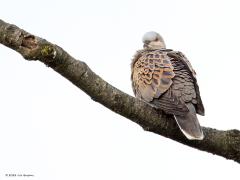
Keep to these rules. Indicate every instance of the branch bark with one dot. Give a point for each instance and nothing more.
(31, 47)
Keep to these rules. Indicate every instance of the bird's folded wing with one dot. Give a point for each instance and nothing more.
(152, 75)
(181, 57)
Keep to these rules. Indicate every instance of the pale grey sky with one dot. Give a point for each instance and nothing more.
(53, 130)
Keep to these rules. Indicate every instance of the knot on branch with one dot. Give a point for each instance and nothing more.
(29, 41)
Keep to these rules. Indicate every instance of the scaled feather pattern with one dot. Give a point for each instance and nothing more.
(166, 80)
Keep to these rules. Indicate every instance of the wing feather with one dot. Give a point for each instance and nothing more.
(190, 94)
(152, 75)
(152, 78)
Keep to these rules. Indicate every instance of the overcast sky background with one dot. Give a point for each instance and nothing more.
(51, 129)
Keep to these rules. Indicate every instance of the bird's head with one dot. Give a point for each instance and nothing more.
(153, 40)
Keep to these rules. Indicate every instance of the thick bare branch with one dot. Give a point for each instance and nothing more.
(31, 47)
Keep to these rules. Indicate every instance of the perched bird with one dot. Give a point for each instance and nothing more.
(166, 80)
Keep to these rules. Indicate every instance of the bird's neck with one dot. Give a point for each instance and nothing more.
(155, 45)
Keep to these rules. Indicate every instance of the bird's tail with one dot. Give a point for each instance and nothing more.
(189, 124)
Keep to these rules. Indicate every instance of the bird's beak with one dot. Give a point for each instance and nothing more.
(145, 45)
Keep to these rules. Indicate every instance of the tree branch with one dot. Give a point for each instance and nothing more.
(31, 47)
